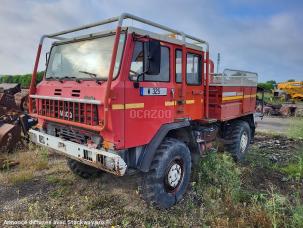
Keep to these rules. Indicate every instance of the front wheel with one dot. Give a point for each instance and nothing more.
(169, 175)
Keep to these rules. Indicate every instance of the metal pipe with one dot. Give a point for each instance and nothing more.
(103, 22)
(207, 86)
(83, 101)
(58, 38)
(183, 85)
(218, 62)
(110, 77)
(145, 21)
(163, 27)
(32, 88)
(120, 19)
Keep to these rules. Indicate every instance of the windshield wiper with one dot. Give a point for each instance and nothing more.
(52, 77)
(68, 77)
(72, 77)
(89, 73)
(56, 78)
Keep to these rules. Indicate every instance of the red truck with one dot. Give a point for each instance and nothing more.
(129, 100)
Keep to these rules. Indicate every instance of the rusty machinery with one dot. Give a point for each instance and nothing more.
(13, 118)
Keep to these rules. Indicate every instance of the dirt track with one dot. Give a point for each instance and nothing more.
(273, 124)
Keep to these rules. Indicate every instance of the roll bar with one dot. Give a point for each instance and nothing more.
(118, 19)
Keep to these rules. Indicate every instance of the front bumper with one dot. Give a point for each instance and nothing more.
(101, 159)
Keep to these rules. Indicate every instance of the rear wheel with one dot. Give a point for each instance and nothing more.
(82, 170)
(169, 175)
(238, 136)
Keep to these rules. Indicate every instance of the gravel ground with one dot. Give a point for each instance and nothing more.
(273, 124)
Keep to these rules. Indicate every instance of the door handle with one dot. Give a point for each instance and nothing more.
(172, 92)
(197, 92)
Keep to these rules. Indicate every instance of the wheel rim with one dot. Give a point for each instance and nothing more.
(243, 142)
(174, 175)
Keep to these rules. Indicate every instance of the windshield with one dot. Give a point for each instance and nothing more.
(84, 59)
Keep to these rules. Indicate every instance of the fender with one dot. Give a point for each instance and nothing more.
(149, 150)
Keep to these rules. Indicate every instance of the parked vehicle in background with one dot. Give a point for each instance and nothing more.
(289, 90)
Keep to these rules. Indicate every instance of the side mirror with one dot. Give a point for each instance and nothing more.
(152, 57)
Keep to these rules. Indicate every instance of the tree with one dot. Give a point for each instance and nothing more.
(266, 86)
(273, 82)
(24, 80)
(291, 80)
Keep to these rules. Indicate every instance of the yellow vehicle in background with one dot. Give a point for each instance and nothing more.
(289, 90)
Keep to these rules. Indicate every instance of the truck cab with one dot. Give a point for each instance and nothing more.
(128, 99)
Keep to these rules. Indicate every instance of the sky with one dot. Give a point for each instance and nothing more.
(263, 36)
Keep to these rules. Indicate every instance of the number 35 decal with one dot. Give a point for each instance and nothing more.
(153, 91)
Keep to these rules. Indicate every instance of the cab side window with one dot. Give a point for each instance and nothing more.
(178, 66)
(193, 69)
(137, 65)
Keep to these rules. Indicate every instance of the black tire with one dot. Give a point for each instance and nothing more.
(171, 165)
(82, 170)
(234, 133)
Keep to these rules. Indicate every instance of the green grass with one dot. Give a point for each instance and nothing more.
(220, 186)
(60, 192)
(21, 176)
(295, 169)
(31, 160)
(66, 180)
(218, 176)
(295, 128)
(259, 158)
(297, 216)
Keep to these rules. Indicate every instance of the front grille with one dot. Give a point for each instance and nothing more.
(72, 135)
(67, 110)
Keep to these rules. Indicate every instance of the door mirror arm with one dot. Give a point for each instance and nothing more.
(136, 83)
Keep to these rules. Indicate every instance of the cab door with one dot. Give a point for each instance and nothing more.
(191, 106)
(148, 98)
